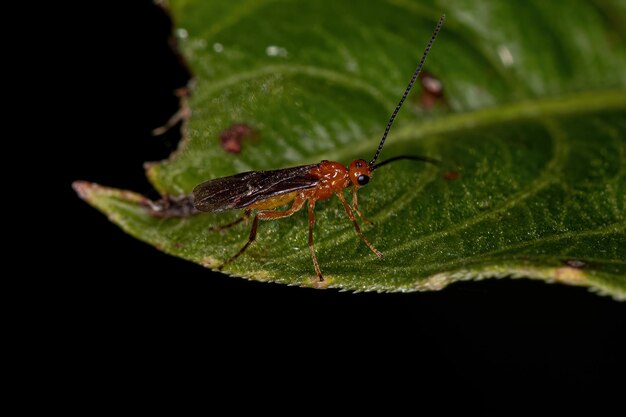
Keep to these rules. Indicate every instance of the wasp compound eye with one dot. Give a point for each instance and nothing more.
(363, 179)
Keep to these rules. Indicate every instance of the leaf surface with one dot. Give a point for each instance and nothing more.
(531, 131)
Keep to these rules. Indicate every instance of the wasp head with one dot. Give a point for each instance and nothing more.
(360, 172)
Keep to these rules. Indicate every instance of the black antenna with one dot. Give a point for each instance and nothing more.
(411, 157)
(406, 92)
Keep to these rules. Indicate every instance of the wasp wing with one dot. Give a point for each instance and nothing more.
(242, 190)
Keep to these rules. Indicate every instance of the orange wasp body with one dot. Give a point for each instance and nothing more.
(264, 191)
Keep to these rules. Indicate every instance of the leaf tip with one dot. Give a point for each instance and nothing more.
(84, 189)
(94, 193)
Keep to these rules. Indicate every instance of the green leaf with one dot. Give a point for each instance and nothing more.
(532, 135)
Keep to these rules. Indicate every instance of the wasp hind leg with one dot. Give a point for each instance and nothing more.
(251, 239)
(298, 203)
(244, 217)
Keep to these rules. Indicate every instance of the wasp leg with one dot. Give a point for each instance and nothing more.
(245, 216)
(356, 225)
(251, 238)
(311, 248)
(298, 203)
(355, 204)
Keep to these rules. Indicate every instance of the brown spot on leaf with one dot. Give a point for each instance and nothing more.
(432, 90)
(232, 138)
(451, 176)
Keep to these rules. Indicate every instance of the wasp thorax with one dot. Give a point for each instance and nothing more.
(359, 172)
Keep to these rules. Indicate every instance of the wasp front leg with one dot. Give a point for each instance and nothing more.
(355, 205)
(356, 226)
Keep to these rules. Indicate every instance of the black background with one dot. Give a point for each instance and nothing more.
(143, 317)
